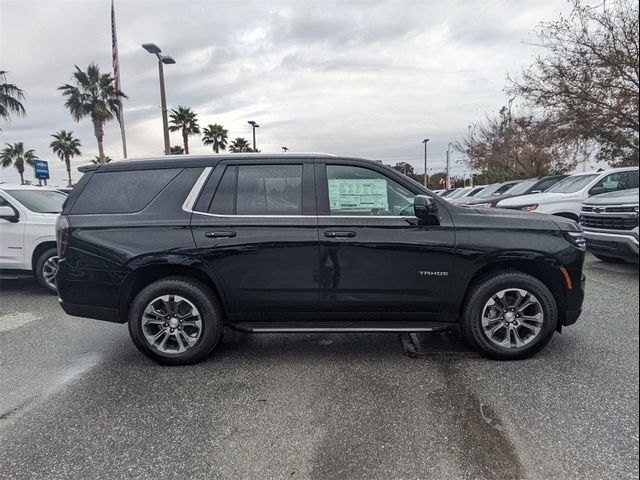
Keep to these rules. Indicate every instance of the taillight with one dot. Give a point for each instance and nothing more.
(62, 234)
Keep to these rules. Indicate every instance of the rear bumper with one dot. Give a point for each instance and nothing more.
(619, 245)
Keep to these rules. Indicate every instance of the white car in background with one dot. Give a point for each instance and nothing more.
(27, 232)
(565, 197)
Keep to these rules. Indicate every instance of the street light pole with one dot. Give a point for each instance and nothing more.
(162, 60)
(254, 125)
(426, 181)
(163, 106)
(449, 166)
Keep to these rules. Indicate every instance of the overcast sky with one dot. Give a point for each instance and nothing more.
(358, 78)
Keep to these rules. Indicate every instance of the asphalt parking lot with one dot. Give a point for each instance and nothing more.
(78, 401)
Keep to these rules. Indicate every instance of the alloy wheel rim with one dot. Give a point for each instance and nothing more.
(171, 324)
(512, 318)
(49, 271)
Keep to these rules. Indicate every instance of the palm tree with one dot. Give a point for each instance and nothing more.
(15, 154)
(216, 136)
(177, 150)
(96, 160)
(240, 145)
(185, 120)
(93, 95)
(65, 146)
(10, 96)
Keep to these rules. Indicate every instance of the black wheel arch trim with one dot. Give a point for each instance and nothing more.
(144, 270)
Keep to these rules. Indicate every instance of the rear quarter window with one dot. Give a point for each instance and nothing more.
(123, 191)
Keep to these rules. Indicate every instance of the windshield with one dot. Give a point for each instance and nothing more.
(40, 201)
(488, 191)
(572, 184)
(522, 187)
(459, 193)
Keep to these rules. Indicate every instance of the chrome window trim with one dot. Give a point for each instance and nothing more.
(190, 201)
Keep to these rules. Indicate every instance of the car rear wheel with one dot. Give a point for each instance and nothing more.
(509, 316)
(176, 321)
(47, 268)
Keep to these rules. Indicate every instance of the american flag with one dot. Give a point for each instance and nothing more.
(116, 74)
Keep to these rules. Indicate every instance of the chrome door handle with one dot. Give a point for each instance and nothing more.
(220, 234)
(336, 234)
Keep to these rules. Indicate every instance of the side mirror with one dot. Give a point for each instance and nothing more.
(8, 213)
(536, 191)
(424, 207)
(597, 191)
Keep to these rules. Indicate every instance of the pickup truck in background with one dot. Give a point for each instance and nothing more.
(610, 224)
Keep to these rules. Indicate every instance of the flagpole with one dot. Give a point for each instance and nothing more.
(116, 75)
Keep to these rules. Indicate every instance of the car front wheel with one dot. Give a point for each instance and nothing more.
(509, 316)
(176, 321)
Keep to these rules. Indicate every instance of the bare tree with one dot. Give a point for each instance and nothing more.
(586, 81)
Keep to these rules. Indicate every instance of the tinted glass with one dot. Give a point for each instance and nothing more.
(224, 200)
(572, 184)
(122, 192)
(40, 201)
(360, 191)
(269, 190)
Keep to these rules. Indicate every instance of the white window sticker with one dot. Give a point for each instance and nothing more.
(345, 194)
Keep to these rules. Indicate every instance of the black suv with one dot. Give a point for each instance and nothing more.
(180, 246)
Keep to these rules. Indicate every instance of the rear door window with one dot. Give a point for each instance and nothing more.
(259, 190)
(122, 191)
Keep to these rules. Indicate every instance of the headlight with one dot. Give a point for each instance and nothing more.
(576, 239)
(637, 209)
(529, 208)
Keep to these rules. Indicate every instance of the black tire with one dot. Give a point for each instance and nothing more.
(604, 258)
(483, 290)
(42, 264)
(204, 299)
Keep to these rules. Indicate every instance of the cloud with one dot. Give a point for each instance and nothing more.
(349, 77)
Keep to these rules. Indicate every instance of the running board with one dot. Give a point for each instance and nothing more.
(340, 327)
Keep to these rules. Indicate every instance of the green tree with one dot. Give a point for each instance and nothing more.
(10, 98)
(404, 167)
(65, 146)
(240, 145)
(16, 155)
(216, 136)
(93, 95)
(586, 80)
(184, 120)
(176, 150)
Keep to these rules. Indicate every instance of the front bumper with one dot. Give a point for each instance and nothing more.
(574, 303)
(612, 244)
